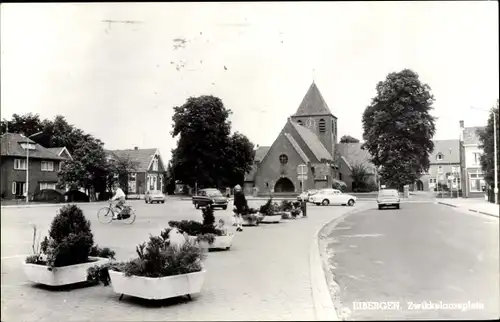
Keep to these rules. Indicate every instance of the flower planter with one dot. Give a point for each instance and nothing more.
(220, 242)
(157, 288)
(271, 219)
(60, 276)
(250, 222)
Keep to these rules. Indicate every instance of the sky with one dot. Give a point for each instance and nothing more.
(120, 80)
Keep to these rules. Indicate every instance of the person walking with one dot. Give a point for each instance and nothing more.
(241, 205)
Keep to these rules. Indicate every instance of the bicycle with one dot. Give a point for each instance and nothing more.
(107, 214)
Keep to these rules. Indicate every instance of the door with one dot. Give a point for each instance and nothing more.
(336, 197)
(18, 189)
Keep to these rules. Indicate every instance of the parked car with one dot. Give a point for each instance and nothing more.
(306, 195)
(210, 197)
(327, 197)
(154, 196)
(388, 198)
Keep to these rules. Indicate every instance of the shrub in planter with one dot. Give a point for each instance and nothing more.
(268, 208)
(286, 206)
(70, 244)
(161, 270)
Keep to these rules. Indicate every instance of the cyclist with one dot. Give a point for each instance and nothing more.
(120, 197)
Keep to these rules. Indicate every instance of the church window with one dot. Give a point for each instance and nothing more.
(283, 159)
(322, 125)
(299, 122)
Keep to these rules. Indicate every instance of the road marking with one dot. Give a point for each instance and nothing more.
(362, 235)
(15, 256)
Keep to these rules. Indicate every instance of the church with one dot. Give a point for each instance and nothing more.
(308, 138)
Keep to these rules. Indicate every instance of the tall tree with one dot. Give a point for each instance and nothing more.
(398, 128)
(348, 139)
(26, 124)
(205, 152)
(118, 171)
(170, 179)
(360, 176)
(487, 144)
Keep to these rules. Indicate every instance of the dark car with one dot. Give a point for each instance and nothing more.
(210, 197)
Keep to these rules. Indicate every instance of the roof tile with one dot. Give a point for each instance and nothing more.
(312, 141)
(313, 103)
(141, 156)
(11, 146)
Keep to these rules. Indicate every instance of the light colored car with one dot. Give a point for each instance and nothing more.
(327, 197)
(154, 196)
(388, 198)
(306, 195)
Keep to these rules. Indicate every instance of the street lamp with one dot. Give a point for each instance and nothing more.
(27, 163)
(495, 149)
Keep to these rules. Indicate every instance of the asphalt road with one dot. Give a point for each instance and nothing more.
(423, 252)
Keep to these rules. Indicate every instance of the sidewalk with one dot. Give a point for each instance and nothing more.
(475, 205)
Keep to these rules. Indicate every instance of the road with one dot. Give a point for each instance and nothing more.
(423, 252)
(265, 275)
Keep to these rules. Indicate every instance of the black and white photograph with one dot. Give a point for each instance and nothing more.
(249, 161)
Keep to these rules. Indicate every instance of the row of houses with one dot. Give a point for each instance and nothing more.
(45, 164)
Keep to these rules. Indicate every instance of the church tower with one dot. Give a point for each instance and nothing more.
(314, 114)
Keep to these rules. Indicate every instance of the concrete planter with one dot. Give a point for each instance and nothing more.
(274, 219)
(157, 288)
(220, 242)
(60, 276)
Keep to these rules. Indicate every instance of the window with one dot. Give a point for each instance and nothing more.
(340, 176)
(299, 122)
(20, 164)
(432, 180)
(322, 126)
(155, 165)
(476, 158)
(60, 165)
(47, 185)
(455, 169)
(47, 166)
(439, 157)
(440, 169)
(132, 176)
(283, 159)
(476, 182)
(28, 146)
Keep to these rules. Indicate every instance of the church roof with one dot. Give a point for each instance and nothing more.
(297, 148)
(313, 103)
(353, 154)
(260, 153)
(313, 143)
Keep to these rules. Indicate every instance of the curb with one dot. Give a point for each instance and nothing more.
(324, 307)
(471, 210)
(62, 204)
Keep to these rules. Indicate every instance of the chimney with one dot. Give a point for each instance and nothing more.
(136, 148)
(462, 124)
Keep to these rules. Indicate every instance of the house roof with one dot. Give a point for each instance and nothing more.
(143, 157)
(353, 154)
(58, 151)
(450, 149)
(260, 153)
(471, 136)
(11, 146)
(297, 148)
(313, 103)
(312, 141)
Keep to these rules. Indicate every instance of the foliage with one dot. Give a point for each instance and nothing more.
(26, 124)
(208, 216)
(348, 139)
(296, 212)
(486, 139)
(70, 241)
(209, 238)
(206, 154)
(286, 205)
(105, 252)
(360, 176)
(48, 195)
(268, 208)
(195, 228)
(170, 180)
(398, 128)
(339, 185)
(156, 258)
(120, 167)
(296, 204)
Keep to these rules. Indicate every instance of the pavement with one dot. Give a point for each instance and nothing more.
(384, 264)
(478, 205)
(266, 275)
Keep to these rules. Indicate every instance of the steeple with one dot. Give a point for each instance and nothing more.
(313, 103)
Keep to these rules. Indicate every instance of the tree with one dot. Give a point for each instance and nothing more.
(118, 170)
(170, 180)
(348, 139)
(360, 177)
(206, 154)
(398, 128)
(27, 124)
(487, 144)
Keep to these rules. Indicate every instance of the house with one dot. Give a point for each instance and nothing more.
(149, 172)
(444, 167)
(44, 165)
(351, 155)
(473, 183)
(308, 138)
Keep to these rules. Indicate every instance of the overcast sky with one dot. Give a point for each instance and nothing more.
(120, 81)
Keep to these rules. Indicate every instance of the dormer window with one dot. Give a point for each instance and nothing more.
(439, 157)
(28, 146)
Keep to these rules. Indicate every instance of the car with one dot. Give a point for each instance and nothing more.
(306, 195)
(154, 196)
(388, 198)
(210, 197)
(328, 196)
